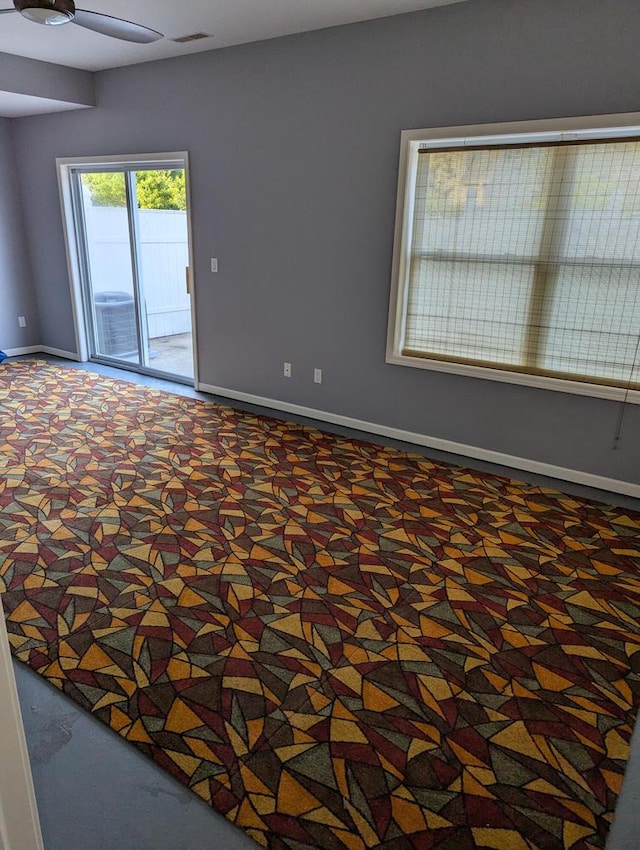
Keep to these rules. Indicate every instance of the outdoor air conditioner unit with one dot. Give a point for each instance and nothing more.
(116, 324)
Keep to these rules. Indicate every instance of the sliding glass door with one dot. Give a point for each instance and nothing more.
(133, 245)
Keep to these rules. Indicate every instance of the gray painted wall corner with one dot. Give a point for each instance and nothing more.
(17, 296)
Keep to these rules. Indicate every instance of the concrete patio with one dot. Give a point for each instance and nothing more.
(172, 354)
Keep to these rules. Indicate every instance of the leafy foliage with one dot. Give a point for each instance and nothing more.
(156, 190)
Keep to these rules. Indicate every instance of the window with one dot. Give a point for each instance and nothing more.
(517, 256)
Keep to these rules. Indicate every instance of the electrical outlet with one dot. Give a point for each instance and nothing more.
(22, 321)
(317, 376)
(287, 370)
(214, 265)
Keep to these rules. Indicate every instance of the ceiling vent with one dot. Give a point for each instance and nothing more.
(196, 36)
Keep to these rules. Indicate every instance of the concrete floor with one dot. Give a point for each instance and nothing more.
(97, 792)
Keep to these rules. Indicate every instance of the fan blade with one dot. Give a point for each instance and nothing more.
(115, 27)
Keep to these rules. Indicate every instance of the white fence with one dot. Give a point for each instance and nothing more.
(164, 254)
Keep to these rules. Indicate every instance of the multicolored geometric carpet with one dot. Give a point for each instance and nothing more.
(335, 644)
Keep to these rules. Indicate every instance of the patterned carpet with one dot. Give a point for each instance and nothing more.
(336, 645)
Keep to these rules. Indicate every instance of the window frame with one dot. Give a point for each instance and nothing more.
(549, 130)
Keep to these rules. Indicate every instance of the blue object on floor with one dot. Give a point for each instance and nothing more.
(3, 356)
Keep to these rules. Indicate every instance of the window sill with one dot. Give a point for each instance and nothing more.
(507, 377)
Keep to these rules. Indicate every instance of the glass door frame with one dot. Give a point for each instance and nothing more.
(69, 175)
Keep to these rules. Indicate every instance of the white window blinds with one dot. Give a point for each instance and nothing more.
(527, 258)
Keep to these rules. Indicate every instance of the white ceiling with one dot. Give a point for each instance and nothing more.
(227, 21)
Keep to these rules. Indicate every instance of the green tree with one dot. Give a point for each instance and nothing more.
(107, 190)
(156, 190)
(161, 190)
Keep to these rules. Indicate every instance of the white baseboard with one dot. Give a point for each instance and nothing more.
(58, 352)
(575, 476)
(19, 352)
(41, 349)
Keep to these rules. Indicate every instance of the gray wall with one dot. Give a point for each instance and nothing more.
(294, 147)
(16, 293)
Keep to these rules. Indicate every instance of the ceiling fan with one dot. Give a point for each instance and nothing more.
(56, 12)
